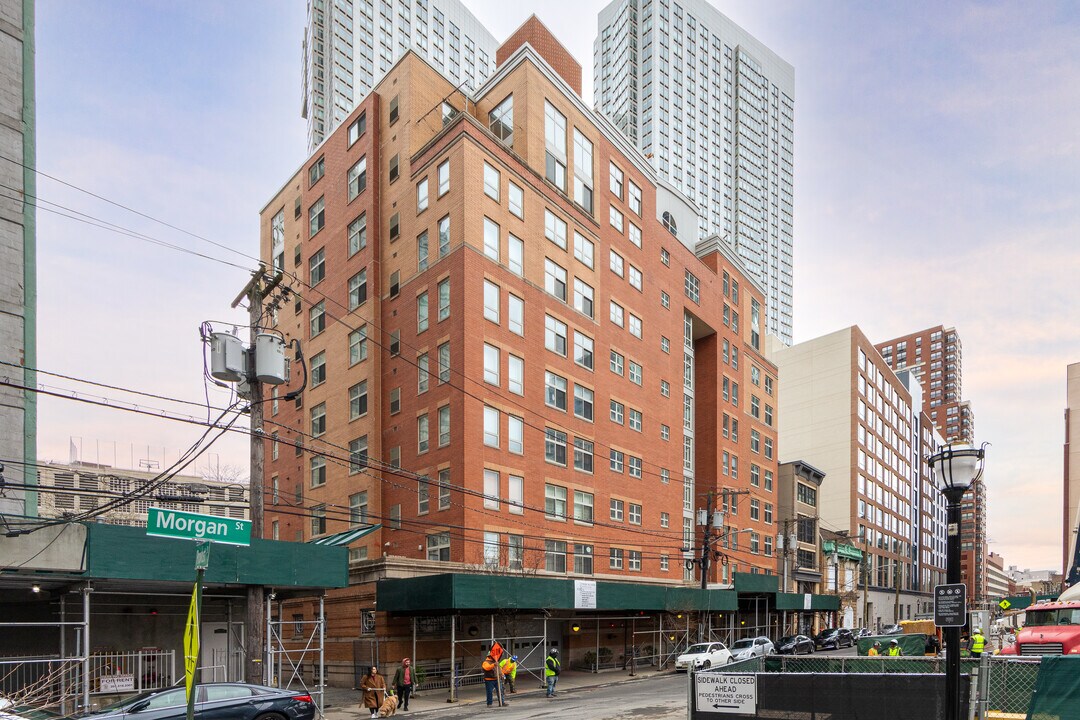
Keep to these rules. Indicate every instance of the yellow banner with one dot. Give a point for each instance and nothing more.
(191, 642)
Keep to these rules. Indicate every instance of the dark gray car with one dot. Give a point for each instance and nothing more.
(213, 701)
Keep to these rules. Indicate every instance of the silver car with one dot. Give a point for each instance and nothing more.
(752, 647)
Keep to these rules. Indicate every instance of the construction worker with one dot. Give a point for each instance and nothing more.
(508, 666)
(491, 678)
(978, 643)
(552, 668)
(894, 649)
(875, 650)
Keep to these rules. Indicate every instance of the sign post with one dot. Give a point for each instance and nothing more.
(950, 606)
(191, 643)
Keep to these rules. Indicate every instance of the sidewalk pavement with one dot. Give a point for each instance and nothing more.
(344, 703)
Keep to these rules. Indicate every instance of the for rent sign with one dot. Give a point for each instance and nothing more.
(726, 694)
(192, 526)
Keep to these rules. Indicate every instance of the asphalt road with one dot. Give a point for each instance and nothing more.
(657, 697)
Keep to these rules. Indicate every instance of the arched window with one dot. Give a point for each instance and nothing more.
(669, 223)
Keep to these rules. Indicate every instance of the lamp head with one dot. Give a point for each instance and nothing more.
(956, 467)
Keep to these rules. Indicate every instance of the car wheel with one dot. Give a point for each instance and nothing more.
(730, 660)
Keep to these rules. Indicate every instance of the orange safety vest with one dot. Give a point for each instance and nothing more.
(489, 668)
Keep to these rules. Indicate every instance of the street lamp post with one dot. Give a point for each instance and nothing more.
(955, 468)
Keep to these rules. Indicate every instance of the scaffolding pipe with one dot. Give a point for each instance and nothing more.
(453, 663)
(322, 653)
(228, 640)
(86, 647)
(596, 663)
(413, 656)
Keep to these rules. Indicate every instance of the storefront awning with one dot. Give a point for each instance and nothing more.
(346, 537)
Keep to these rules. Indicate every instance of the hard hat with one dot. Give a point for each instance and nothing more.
(978, 630)
(877, 643)
(893, 642)
(514, 658)
(554, 651)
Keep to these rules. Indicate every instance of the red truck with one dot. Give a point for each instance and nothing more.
(1050, 628)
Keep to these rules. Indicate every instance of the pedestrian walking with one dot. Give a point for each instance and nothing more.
(491, 678)
(552, 668)
(508, 666)
(374, 686)
(403, 683)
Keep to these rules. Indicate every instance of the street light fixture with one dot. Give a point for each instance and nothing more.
(955, 468)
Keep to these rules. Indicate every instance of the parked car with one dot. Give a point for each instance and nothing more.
(703, 656)
(752, 647)
(891, 630)
(214, 701)
(834, 638)
(862, 632)
(795, 645)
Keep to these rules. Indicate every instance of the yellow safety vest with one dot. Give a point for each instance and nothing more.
(894, 651)
(978, 642)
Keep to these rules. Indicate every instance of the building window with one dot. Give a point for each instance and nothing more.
(438, 546)
(635, 420)
(555, 335)
(358, 509)
(421, 196)
(583, 297)
(616, 411)
(318, 370)
(692, 286)
(444, 178)
(583, 559)
(444, 426)
(358, 454)
(491, 301)
(555, 502)
(583, 350)
(634, 373)
(357, 178)
(357, 234)
(444, 236)
(669, 223)
(555, 447)
(616, 313)
(516, 199)
(515, 374)
(357, 128)
(805, 494)
(491, 239)
(491, 426)
(633, 466)
(555, 391)
(395, 170)
(317, 267)
(616, 461)
(633, 560)
(583, 249)
(422, 434)
(501, 121)
(515, 250)
(515, 432)
(555, 556)
(318, 471)
(583, 507)
(422, 251)
(583, 403)
(615, 558)
(491, 489)
(492, 182)
(583, 171)
(616, 510)
(615, 180)
(318, 420)
(444, 299)
(421, 312)
(316, 217)
(318, 520)
(358, 289)
(615, 262)
(635, 199)
(555, 279)
(555, 146)
(444, 363)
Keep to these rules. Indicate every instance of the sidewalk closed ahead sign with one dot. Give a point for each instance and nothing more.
(726, 694)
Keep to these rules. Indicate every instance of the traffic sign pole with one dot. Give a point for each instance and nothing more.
(192, 640)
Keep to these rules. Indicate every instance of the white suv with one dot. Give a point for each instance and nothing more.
(703, 656)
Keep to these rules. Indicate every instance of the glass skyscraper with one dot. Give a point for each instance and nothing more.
(714, 110)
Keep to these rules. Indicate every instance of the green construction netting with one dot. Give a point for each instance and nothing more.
(1057, 690)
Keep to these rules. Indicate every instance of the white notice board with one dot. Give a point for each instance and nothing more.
(585, 594)
(725, 694)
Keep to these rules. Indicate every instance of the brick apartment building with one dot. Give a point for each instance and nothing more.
(525, 373)
(936, 356)
(848, 414)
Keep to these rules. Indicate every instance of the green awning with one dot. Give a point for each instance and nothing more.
(346, 537)
(465, 592)
(807, 602)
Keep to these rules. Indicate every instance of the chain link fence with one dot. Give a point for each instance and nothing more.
(1006, 683)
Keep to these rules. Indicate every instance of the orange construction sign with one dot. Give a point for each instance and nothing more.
(496, 651)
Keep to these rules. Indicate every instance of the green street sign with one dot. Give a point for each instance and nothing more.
(202, 555)
(1004, 604)
(192, 526)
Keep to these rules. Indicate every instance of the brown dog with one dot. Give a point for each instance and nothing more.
(389, 706)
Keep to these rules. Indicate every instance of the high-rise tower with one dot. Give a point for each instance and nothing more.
(350, 44)
(714, 111)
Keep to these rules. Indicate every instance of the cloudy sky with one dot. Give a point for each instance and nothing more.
(937, 177)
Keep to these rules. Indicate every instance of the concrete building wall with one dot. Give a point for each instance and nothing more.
(18, 293)
(1071, 490)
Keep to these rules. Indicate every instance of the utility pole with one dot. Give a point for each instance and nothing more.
(896, 602)
(255, 291)
(706, 539)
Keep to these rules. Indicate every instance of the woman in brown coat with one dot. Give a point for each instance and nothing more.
(374, 686)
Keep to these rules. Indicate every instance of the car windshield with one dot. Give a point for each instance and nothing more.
(742, 644)
(1056, 616)
(697, 649)
(827, 633)
(789, 639)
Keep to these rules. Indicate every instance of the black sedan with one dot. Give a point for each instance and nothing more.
(834, 638)
(795, 645)
(214, 701)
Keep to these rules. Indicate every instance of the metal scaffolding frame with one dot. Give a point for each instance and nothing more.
(282, 666)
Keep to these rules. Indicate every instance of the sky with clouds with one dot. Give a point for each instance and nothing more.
(937, 176)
